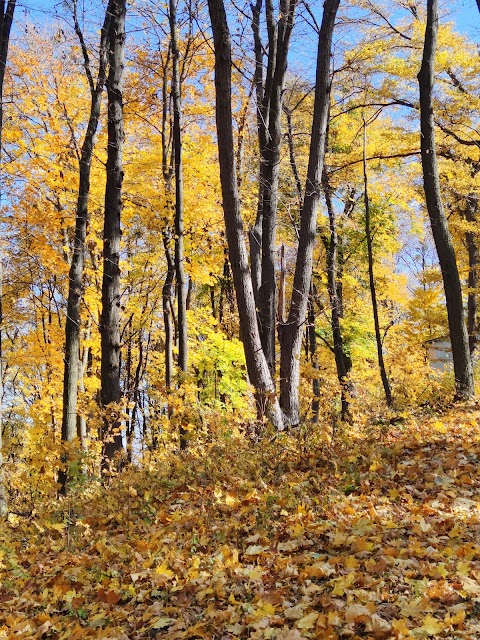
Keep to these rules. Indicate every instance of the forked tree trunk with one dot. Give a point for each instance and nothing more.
(462, 364)
(6, 19)
(290, 333)
(257, 367)
(269, 115)
(75, 278)
(110, 393)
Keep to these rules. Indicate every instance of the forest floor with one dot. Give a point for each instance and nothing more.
(372, 535)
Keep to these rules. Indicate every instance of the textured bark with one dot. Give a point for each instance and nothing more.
(290, 333)
(168, 290)
(179, 209)
(110, 393)
(342, 361)
(371, 276)
(312, 349)
(167, 302)
(6, 19)
(472, 304)
(257, 366)
(270, 138)
(75, 281)
(462, 363)
(179, 199)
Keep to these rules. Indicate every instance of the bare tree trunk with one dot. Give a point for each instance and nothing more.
(270, 138)
(290, 333)
(179, 209)
(472, 305)
(373, 292)
(312, 345)
(342, 361)
(81, 420)
(6, 19)
(167, 303)
(75, 279)
(462, 363)
(110, 393)
(257, 367)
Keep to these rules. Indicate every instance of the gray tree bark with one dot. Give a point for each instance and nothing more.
(291, 333)
(462, 363)
(110, 393)
(6, 20)
(269, 118)
(371, 277)
(75, 280)
(472, 303)
(342, 361)
(257, 366)
(179, 208)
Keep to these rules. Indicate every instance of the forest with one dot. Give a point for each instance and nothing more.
(239, 319)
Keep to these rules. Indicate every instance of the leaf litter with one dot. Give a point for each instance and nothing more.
(373, 536)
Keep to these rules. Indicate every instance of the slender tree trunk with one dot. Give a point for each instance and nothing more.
(290, 333)
(471, 217)
(81, 420)
(179, 209)
(312, 345)
(168, 291)
(342, 361)
(110, 393)
(167, 303)
(6, 19)
(462, 363)
(75, 280)
(255, 233)
(371, 277)
(257, 367)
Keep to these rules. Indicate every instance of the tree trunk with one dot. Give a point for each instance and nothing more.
(110, 393)
(342, 361)
(167, 303)
(290, 333)
(371, 277)
(6, 19)
(75, 280)
(462, 363)
(257, 367)
(471, 217)
(312, 346)
(179, 209)
(270, 138)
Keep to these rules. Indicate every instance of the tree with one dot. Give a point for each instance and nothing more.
(75, 279)
(462, 363)
(179, 204)
(257, 366)
(110, 394)
(269, 126)
(291, 332)
(6, 20)
(371, 276)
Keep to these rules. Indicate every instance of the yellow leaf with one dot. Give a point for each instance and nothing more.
(308, 621)
(163, 570)
(162, 623)
(440, 427)
(432, 626)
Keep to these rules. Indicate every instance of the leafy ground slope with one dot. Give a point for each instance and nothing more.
(373, 536)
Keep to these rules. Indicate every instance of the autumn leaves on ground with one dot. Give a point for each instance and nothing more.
(371, 534)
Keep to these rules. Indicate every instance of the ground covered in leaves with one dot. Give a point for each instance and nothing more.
(372, 535)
